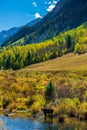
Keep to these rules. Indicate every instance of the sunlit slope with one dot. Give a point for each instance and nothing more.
(66, 15)
(69, 62)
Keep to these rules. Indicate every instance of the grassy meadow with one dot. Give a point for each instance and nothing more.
(69, 62)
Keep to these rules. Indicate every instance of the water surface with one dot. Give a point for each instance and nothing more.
(30, 124)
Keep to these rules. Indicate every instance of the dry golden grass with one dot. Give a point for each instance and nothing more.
(69, 62)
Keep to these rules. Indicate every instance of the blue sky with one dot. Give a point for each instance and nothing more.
(14, 13)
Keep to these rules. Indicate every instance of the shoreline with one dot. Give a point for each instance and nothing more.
(68, 121)
(26, 114)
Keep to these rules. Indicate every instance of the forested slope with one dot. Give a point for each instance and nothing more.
(16, 57)
(66, 15)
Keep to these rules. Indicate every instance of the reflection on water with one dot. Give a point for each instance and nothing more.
(27, 124)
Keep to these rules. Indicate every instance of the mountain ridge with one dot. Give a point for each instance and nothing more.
(66, 15)
(5, 34)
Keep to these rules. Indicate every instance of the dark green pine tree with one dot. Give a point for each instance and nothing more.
(69, 43)
(50, 92)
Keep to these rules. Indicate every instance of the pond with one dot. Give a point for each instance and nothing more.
(21, 123)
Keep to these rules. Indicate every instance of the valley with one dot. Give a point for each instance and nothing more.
(43, 69)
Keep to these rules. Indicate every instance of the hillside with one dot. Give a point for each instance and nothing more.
(24, 89)
(4, 35)
(49, 77)
(35, 21)
(70, 62)
(17, 57)
(66, 15)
